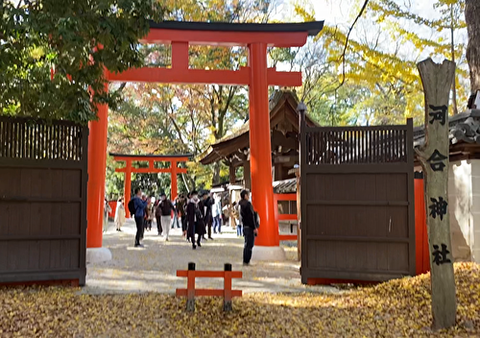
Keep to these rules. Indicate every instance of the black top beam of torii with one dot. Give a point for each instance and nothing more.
(313, 27)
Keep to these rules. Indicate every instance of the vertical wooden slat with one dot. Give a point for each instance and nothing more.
(357, 146)
(30, 141)
(22, 140)
(10, 139)
(2, 139)
(14, 139)
(51, 137)
(45, 141)
(362, 146)
(69, 143)
(61, 137)
(64, 142)
(382, 146)
(7, 139)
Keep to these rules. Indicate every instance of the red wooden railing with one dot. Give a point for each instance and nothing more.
(227, 293)
(284, 217)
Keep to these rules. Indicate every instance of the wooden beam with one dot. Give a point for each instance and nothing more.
(227, 39)
(201, 76)
(147, 158)
(285, 159)
(152, 171)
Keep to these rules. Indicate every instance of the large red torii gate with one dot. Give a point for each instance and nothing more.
(173, 170)
(257, 37)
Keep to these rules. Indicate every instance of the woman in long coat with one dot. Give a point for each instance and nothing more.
(196, 224)
(120, 214)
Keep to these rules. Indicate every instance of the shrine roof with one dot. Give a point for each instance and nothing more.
(464, 136)
(464, 128)
(287, 186)
(239, 139)
(313, 28)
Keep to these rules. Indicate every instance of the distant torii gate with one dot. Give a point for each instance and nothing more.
(173, 170)
(257, 76)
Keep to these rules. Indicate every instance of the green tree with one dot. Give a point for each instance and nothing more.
(76, 39)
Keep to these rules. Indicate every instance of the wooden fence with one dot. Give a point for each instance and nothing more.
(43, 185)
(357, 202)
(191, 292)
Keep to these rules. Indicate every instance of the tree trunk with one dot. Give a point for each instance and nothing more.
(472, 18)
(434, 156)
(216, 173)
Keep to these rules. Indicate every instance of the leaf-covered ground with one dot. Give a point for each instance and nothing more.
(399, 308)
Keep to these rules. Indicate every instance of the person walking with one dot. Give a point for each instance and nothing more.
(182, 212)
(120, 214)
(236, 218)
(175, 214)
(137, 207)
(196, 224)
(205, 206)
(166, 207)
(187, 202)
(106, 210)
(149, 215)
(158, 216)
(217, 214)
(250, 225)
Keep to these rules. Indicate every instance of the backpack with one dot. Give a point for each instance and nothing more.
(131, 207)
(256, 219)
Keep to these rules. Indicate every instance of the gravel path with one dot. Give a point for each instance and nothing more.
(153, 268)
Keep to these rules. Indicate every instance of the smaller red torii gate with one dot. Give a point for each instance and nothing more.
(174, 170)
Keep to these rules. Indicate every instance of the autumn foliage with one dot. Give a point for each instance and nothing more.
(399, 308)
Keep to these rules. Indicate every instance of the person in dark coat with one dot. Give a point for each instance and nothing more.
(196, 223)
(206, 202)
(140, 206)
(250, 225)
(182, 213)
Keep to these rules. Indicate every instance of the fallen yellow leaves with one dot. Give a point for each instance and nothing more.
(399, 308)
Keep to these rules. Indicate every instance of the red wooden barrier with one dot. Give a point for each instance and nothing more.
(227, 293)
(284, 217)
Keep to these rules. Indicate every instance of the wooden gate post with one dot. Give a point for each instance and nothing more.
(434, 155)
(302, 110)
(191, 288)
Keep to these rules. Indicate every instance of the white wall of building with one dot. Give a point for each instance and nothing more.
(475, 229)
(460, 207)
(464, 209)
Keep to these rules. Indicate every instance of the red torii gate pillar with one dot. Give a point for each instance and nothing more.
(97, 163)
(174, 170)
(257, 76)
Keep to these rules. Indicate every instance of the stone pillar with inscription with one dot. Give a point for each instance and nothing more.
(437, 81)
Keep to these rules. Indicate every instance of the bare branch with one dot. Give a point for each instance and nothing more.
(342, 57)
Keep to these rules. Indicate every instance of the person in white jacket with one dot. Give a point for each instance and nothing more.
(217, 214)
(120, 214)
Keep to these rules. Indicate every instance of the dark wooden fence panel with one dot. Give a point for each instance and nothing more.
(43, 185)
(358, 220)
